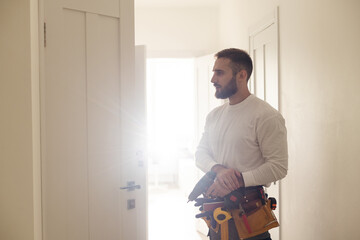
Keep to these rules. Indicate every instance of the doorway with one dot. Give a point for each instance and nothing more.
(171, 144)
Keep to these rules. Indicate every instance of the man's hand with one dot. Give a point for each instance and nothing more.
(227, 180)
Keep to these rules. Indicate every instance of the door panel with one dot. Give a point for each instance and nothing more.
(103, 119)
(271, 69)
(103, 7)
(85, 135)
(259, 73)
(65, 175)
(265, 65)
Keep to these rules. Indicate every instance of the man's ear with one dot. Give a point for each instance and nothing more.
(242, 75)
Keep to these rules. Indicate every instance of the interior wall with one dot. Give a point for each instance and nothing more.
(19, 145)
(320, 59)
(177, 32)
(237, 16)
(319, 83)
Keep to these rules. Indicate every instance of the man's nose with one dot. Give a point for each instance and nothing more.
(213, 79)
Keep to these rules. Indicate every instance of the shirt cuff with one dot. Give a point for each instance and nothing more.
(210, 166)
(249, 179)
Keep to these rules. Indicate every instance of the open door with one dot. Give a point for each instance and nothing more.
(92, 122)
(264, 82)
(141, 163)
(205, 101)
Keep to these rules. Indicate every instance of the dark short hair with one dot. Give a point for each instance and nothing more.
(239, 60)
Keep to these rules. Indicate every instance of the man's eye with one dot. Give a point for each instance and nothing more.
(219, 73)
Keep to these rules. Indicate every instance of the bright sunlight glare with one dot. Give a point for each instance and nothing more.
(171, 167)
(170, 98)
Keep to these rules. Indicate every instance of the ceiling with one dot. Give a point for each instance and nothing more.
(176, 3)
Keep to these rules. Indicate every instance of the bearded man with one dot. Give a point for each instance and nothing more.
(244, 140)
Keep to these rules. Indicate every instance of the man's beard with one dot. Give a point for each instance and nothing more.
(228, 90)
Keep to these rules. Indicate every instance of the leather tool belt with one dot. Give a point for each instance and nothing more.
(249, 207)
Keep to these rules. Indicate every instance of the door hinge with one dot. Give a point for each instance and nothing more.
(44, 34)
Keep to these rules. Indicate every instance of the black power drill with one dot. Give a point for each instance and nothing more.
(204, 183)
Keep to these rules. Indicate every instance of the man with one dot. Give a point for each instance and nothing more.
(244, 140)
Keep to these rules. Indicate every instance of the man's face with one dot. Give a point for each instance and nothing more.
(223, 79)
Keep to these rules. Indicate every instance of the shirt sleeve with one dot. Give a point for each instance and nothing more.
(272, 139)
(203, 156)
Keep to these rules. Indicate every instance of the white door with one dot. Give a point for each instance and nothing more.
(265, 82)
(141, 163)
(205, 101)
(89, 121)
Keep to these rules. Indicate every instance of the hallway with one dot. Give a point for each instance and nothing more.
(170, 216)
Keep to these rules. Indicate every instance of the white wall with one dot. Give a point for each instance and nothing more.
(320, 59)
(237, 16)
(19, 121)
(319, 85)
(177, 32)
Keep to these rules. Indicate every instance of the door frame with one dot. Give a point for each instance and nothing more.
(272, 19)
(41, 37)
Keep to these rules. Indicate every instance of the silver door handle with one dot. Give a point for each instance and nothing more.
(130, 186)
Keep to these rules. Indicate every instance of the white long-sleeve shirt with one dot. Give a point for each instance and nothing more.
(250, 137)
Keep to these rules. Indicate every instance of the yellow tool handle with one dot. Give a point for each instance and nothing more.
(221, 215)
(225, 230)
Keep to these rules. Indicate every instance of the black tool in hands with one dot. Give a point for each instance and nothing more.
(204, 183)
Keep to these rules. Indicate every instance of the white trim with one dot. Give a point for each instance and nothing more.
(36, 118)
(41, 20)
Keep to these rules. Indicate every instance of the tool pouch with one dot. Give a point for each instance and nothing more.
(257, 222)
